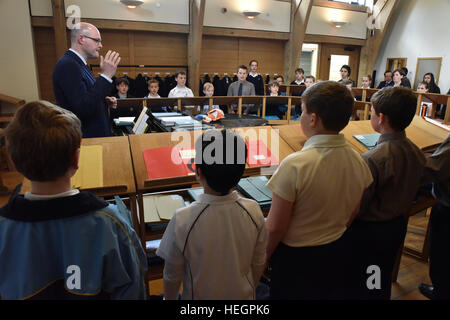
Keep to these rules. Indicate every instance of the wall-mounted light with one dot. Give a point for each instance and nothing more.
(251, 14)
(132, 3)
(338, 24)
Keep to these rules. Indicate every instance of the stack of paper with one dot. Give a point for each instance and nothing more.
(124, 121)
(159, 208)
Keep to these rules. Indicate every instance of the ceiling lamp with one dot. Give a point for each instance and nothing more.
(251, 14)
(338, 24)
(132, 3)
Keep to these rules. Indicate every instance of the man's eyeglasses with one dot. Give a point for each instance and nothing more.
(97, 40)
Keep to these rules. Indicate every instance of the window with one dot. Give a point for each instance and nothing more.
(308, 60)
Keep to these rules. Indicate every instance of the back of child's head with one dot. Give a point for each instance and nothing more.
(221, 156)
(124, 80)
(42, 140)
(398, 104)
(332, 102)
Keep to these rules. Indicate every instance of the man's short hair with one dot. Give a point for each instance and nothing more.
(397, 103)
(346, 67)
(274, 83)
(300, 70)
(332, 102)
(180, 72)
(152, 81)
(122, 80)
(221, 156)
(387, 71)
(42, 140)
(251, 61)
(242, 66)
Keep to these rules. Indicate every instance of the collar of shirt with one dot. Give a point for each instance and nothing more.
(392, 136)
(325, 141)
(209, 198)
(299, 82)
(30, 196)
(122, 96)
(79, 55)
(254, 75)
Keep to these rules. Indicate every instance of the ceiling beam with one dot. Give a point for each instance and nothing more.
(300, 12)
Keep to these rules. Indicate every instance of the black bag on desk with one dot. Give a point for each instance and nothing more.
(255, 189)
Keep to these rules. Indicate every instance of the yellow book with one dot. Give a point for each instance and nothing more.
(90, 171)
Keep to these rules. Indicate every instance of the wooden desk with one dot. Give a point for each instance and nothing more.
(425, 135)
(293, 135)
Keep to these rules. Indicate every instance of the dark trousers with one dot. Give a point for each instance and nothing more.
(374, 248)
(308, 273)
(440, 250)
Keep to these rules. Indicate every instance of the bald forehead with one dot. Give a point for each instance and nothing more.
(85, 29)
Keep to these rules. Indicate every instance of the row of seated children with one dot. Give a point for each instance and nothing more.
(334, 214)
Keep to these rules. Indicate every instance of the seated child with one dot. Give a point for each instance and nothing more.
(216, 246)
(316, 194)
(62, 243)
(299, 77)
(122, 86)
(277, 110)
(397, 166)
(366, 83)
(208, 90)
(153, 88)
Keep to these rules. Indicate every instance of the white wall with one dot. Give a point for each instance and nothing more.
(275, 15)
(162, 11)
(17, 59)
(321, 17)
(418, 28)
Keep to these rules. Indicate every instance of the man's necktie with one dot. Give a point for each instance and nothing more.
(240, 89)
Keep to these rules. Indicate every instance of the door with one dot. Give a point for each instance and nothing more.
(333, 56)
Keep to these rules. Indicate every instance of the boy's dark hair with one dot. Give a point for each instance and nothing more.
(398, 104)
(310, 77)
(332, 102)
(182, 72)
(347, 67)
(221, 156)
(242, 66)
(122, 80)
(300, 70)
(251, 61)
(42, 140)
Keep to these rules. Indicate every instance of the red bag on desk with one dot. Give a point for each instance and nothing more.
(166, 162)
(259, 155)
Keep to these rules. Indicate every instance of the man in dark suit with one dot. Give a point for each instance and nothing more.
(388, 82)
(75, 87)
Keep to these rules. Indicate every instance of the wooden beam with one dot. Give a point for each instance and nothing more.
(382, 11)
(245, 33)
(197, 14)
(317, 38)
(339, 5)
(59, 26)
(293, 49)
(120, 25)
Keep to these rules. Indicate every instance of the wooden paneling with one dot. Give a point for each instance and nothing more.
(225, 54)
(160, 49)
(44, 42)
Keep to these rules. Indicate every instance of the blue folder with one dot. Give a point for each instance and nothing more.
(368, 140)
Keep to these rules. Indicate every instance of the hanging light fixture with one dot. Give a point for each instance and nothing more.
(132, 3)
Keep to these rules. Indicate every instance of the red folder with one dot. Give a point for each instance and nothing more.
(259, 155)
(165, 162)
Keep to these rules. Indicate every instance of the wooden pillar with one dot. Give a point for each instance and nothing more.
(59, 27)
(382, 11)
(300, 11)
(197, 13)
